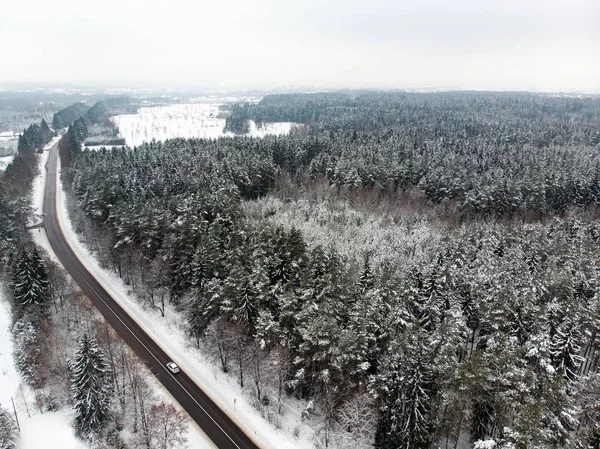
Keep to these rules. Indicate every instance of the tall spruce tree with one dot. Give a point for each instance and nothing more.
(91, 384)
(30, 283)
(8, 430)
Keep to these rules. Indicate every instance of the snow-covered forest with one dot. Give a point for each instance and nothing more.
(422, 267)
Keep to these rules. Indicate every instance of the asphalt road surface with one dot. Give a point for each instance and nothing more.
(212, 420)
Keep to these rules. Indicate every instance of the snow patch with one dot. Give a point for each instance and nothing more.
(37, 204)
(276, 128)
(4, 161)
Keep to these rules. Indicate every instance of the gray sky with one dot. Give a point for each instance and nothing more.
(480, 44)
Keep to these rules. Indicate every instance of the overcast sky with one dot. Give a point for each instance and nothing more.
(551, 45)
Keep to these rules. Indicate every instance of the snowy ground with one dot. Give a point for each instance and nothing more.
(8, 144)
(53, 427)
(170, 334)
(4, 161)
(182, 120)
(164, 122)
(270, 128)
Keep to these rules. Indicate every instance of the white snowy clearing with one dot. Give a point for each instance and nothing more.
(4, 161)
(170, 334)
(51, 430)
(183, 120)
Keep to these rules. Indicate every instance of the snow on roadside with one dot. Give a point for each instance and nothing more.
(53, 427)
(196, 438)
(52, 142)
(170, 334)
(9, 379)
(37, 204)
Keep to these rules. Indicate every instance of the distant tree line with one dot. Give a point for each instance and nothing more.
(70, 146)
(97, 113)
(68, 115)
(34, 137)
(238, 121)
(492, 154)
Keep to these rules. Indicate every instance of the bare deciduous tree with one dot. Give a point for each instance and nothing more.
(167, 427)
(357, 420)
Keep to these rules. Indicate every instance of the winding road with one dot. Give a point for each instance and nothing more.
(215, 423)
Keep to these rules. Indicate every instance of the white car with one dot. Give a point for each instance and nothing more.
(173, 367)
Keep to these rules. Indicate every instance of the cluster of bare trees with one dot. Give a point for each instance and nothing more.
(136, 405)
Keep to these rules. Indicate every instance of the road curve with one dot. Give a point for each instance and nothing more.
(212, 420)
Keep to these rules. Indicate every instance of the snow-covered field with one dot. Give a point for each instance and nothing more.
(8, 144)
(4, 161)
(51, 430)
(182, 120)
(270, 128)
(170, 334)
(165, 122)
(8, 136)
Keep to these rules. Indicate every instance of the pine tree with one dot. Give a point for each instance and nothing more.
(91, 384)
(26, 349)
(406, 389)
(366, 280)
(565, 348)
(45, 132)
(8, 430)
(30, 283)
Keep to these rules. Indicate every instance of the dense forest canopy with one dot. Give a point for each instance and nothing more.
(68, 115)
(491, 152)
(491, 334)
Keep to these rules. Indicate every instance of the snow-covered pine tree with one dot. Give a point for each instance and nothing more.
(406, 390)
(8, 430)
(30, 283)
(42, 285)
(565, 348)
(91, 385)
(26, 348)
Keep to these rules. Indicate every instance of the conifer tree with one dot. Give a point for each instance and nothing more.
(26, 349)
(406, 389)
(91, 384)
(8, 430)
(565, 349)
(30, 283)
